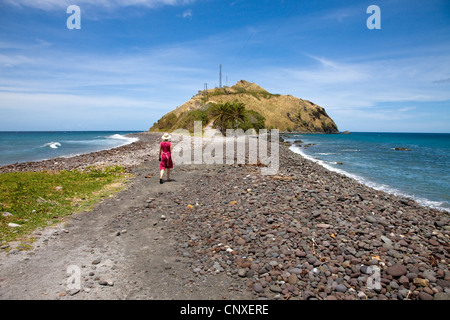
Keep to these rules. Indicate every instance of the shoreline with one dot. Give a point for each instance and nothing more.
(303, 233)
(428, 194)
(128, 155)
(374, 185)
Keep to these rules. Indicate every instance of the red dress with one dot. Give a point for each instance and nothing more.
(166, 157)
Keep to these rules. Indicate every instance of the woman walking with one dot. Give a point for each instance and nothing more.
(165, 157)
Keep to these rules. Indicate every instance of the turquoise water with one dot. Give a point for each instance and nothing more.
(421, 173)
(35, 146)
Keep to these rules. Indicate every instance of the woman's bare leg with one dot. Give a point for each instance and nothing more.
(168, 174)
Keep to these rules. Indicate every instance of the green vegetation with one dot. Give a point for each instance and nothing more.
(229, 115)
(254, 120)
(37, 199)
(217, 92)
(234, 115)
(186, 121)
(221, 114)
(168, 121)
(258, 92)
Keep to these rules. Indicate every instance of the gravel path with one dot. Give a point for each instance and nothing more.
(228, 232)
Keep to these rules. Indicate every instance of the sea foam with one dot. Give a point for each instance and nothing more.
(127, 140)
(53, 145)
(377, 186)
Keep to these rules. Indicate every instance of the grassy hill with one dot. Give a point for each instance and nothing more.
(283, 112)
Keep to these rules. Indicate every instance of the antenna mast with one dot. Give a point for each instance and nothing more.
(220, 76)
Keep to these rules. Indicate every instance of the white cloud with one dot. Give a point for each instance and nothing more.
(187, 14)
(341, 14)
(405, 109)
(49, 5)
(57, 88)
(362, 84)
(59, 71)
(330, 72)
(10, 61)
(37, 44)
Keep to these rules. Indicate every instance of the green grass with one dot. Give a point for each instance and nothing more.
(37, 199)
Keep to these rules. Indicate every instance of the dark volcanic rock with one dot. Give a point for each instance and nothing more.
(396, 270)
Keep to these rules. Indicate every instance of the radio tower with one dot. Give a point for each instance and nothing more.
(220, 76)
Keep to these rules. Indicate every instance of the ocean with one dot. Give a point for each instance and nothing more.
(36, 146)
(419, 170)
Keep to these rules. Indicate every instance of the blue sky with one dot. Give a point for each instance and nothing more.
(132, 61)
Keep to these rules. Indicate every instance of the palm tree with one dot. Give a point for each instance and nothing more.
(233, 112)
(238, 113)
(222, 114)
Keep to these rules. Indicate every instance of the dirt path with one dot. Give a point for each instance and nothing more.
(122, 249)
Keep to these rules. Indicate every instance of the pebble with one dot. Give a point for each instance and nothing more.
(109, 283)
(361, 295)
(394, 285)
(403, 280)
(420, 282)
(73, 292)
(386, 240)
(442, 296)
(296, 271)
(429, 275)
(396, 270)
(292, 279)
(403, 293)
(275, 288)
(371, 219)
(425, 296)
(341, 288)
(411, 276)
(366, 269)
(14, 225)
(242, 272)
(258, 288)
(310, 231)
